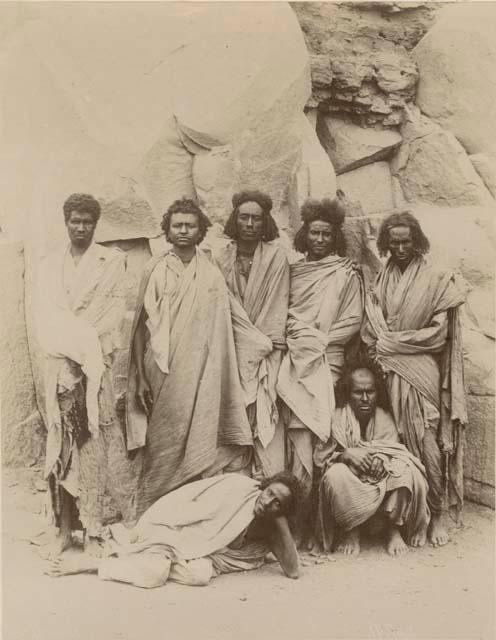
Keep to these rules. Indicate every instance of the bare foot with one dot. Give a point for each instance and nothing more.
(56, 547)
(93, 547)
(395, 545)
(73, 563)
(350, 543)
(418, 539)
(312, 546)
(438, 536)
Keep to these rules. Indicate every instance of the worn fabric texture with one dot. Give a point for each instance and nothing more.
(325, 312)
(186, 535)
(198, 425)
(348, 500)
(79, 311)
(259, 307)
(413, 330)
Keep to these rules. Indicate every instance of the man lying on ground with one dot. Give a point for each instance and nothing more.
(366, 472)
(216, 525)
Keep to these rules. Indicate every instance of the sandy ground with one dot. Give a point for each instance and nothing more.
(429, 593)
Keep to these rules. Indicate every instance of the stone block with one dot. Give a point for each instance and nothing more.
(23, 432)
(485, 165)
(350, 146)
(479, 450)
(456, 60)
(370, 186)
(432, 166)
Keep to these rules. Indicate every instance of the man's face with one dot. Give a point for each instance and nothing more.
(319, 239)
(401, 245)
(184, 230)
(250, 222)
(363, 396)
(81, 228)
(270, 502)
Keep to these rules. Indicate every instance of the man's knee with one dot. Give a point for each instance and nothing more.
(194, 573)
(336, 475)
(142, 570)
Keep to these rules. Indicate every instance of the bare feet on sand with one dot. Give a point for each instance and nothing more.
(93, 547)
(438, 536)
(418, 539)
(56, 547)
(350, 543)
(395, 544)
(72, 563)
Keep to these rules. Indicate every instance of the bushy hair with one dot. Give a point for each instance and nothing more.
(269, 230)
(292, 483)
(82, 203)
(421, 244)
(186, 205)
(343, 387)
(325, 210)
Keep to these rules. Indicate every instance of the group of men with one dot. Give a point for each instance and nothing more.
(270, 398)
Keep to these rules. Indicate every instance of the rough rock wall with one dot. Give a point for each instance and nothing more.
(170, 100)
(402, 105)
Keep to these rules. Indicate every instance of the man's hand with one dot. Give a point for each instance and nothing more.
(377, 470)
(144, 396)
(359, 460)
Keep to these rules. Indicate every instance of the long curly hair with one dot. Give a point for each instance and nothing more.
(269, 230)
(185, 205)
(82, 203)
(343, 387)
(421, 244)
(325, 210)
(293, 484)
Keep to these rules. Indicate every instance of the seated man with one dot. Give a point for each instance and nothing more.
(366, 472)
(216, 525)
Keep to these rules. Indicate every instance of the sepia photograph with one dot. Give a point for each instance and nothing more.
(247, 320)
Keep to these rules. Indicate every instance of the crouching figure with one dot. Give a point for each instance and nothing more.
(367, 473)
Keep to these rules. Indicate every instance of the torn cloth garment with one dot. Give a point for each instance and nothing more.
(413, 329)
(198, 424)
(325, 312)
(78, 313)
(259, 308)
(348, 500)
(186, 535)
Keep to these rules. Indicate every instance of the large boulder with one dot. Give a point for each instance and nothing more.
(98, 118)
(23, 431)
(350, 146)
(479, 451)
(456, 61)
(432, 166)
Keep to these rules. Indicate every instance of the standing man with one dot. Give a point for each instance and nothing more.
(184, 399)
(325, 313)
(256, 270)
(80, 308)
(413, 330)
